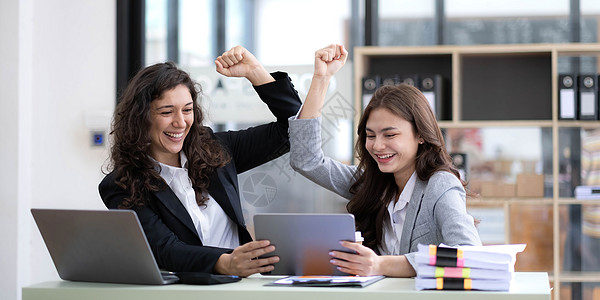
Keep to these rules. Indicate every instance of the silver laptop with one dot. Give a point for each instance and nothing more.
(303, 241)
(99, 246)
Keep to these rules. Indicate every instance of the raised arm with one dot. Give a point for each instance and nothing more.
(328, 61)
(306, 155)
(239, 62)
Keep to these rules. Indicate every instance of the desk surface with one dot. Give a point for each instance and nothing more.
(528, 285)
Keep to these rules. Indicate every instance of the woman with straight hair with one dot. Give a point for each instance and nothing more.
(404, 190)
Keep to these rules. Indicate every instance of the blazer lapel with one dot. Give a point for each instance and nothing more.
(223, 188)
(411, 215)
(173, 204)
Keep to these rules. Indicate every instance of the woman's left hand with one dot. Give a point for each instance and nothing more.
(329, 60)
(364, 263)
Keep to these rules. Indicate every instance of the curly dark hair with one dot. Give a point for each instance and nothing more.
(373, 189)
(135, 171)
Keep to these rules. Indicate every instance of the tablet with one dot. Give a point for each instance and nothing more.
(303, 241)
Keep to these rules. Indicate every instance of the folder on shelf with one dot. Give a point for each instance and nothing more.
(390, 80)
(587, 192)
(369, 85)
(567, 97)
(588, 96)
(432, 87)
(460, 162)
(412, 80)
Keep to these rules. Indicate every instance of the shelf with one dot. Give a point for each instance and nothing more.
(563, 49)
(582, 124)
(511, 201)
(479, 124)
(569, 276)
(519, 123)
(575, 201)
(528, 201)
(504, 86)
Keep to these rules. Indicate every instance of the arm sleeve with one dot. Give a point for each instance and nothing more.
(454, 225)
(308, 159)
(255, 146)
(169, 251)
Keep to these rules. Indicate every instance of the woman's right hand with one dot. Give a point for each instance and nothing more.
(330, 59)
(244, 261)
(239, 62)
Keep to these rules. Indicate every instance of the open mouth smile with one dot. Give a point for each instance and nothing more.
(174, 135)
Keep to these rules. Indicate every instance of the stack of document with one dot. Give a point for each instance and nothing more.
(488, 268)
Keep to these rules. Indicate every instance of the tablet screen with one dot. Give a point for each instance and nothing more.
(303, 241)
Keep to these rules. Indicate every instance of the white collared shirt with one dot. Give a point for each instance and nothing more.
(213, 226)
(393, 225)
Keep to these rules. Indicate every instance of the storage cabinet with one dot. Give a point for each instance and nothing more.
(495, 90)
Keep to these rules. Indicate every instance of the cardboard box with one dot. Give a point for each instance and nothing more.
(528, 166)
(475, 186)
(530, 185)
(497, 189)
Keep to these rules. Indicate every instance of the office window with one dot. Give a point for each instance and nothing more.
(590, 20)
(156, 31)
(196, 33)
(289, 32)
(277, 32)
(406, 23)
(239, 22)
(470, 22)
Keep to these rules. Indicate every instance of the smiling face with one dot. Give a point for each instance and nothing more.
(391, 142)
(172, 116)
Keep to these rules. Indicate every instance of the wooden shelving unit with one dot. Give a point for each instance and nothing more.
(486, 83)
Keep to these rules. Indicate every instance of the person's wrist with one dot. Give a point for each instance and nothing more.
(385, 265)
(259, 75)
(322, 77)
(222, 262)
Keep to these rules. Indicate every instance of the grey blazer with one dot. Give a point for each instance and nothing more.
(436, 211)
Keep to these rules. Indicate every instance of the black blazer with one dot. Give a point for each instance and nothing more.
(167, 224)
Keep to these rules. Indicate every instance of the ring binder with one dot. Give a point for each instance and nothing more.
(370, 84)
(567, 97)
(460, 162)
(432, 88)
(588, 97)
(412, 80)
(390, 80)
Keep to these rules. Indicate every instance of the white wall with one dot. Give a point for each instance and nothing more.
(9, 92)
(57, 61)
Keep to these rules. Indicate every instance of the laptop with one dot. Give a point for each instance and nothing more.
(303, 241)
(99, 246)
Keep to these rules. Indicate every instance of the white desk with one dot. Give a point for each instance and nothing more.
(527, 286)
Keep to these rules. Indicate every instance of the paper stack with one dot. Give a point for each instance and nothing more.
(488, 268)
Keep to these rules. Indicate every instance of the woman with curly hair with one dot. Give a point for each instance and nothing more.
(404, 191)
(180, 177)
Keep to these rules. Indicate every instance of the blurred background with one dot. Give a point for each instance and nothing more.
(63, 63)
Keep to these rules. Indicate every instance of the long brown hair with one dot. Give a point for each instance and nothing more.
(135, 171)
(373, 189)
